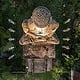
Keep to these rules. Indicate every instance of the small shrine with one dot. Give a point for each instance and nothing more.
(39, 40)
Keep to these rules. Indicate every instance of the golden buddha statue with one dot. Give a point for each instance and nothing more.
(40, 28)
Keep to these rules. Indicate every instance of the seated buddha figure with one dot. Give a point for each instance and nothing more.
(40, 28)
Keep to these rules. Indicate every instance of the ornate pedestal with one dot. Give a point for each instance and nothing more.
(39, 58)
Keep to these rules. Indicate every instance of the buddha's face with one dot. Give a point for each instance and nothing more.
(41, 16)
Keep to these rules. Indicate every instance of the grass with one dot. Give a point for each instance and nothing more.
(27, 76)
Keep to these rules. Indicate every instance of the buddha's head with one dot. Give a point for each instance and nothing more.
(41, 16)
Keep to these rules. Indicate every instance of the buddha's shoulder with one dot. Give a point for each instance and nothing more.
(52, 22)
(28, 24)
(27, 21)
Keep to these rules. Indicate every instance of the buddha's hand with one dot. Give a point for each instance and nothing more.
(40, 39)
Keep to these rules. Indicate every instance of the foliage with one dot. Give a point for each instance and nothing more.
(71, 62)
(13, 12)
(77, 36)
(3, 36)
(57, 72)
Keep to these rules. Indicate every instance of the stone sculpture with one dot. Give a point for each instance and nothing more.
(39, 40)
